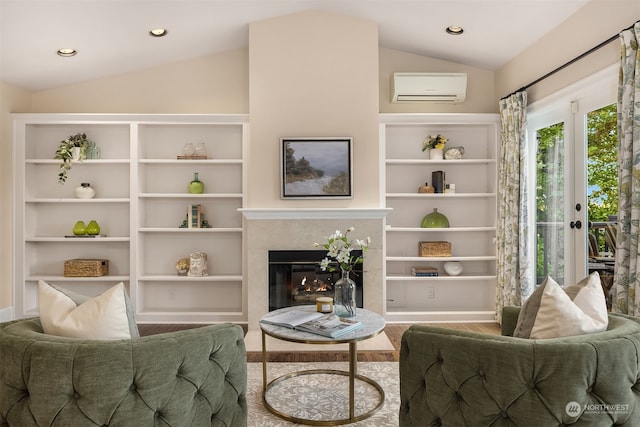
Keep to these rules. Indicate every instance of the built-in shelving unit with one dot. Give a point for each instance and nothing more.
(141, 201)
(471, 211)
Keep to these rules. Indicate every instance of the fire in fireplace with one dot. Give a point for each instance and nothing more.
(295, 278)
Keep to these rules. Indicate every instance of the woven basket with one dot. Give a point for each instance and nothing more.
(434, 249)
(86, 267)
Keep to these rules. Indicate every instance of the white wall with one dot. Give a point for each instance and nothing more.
(220, 84)
(11, 99)
(594, 23)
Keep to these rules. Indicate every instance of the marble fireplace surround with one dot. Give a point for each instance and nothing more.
(298, 229)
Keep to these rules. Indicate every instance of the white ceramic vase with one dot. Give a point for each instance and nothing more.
(436, 154)
(453, 268)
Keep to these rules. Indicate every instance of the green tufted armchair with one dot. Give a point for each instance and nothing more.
(459, 378)
(190, 378)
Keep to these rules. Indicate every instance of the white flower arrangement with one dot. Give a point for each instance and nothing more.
(339, 248)
(434, 141)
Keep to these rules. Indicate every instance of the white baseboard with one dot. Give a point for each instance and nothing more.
(6, 314)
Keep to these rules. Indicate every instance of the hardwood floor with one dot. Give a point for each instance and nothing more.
(393, 331)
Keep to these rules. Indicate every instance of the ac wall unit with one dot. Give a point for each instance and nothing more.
(428, 87)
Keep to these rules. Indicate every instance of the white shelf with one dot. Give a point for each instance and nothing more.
(84, 162)
(192, 162)
(471, 211)
(390, 228)
(462, 277)
(141, 188)
(441, 259)
(75, 240)
(429, 162)
(190, 230)
(438, 195)
(54, 278)
(191, 196)
(69, 200)
(176, 278)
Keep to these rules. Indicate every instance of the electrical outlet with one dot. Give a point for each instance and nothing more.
(431, 293)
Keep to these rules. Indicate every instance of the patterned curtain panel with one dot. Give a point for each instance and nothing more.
(626, 281)
(515, 282)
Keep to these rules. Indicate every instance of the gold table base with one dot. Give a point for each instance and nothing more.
(352, 374)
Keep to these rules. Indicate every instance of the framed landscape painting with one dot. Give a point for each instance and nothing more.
(316, 168)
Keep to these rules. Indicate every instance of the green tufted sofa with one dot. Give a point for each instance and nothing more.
(190, 378)
(461, 378)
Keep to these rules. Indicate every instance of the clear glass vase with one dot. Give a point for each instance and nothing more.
(345, 296)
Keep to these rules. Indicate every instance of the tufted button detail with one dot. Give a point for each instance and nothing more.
(481, 373)
(76, 396)
(437, 422)
(589, 389)
(458, 395)
(532, 385)
(504, 415)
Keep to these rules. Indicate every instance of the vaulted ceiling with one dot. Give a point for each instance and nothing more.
(112, 37)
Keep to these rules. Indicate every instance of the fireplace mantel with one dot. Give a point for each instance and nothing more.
(314, 213)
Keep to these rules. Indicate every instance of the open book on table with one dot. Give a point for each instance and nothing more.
(328, 325)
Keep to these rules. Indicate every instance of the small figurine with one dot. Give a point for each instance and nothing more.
(453, 153)
(198, 264)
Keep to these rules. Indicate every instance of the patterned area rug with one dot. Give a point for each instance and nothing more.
(322, 396)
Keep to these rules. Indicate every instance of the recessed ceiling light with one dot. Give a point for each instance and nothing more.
(454, 30)
(67, 52)
(158, 32)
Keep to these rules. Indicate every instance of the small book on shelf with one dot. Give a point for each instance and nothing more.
(328, 325)
(424, 271)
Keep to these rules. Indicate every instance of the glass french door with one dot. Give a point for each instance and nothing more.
(562, 134)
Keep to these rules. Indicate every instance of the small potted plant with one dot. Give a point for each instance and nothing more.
(74, 148)
(435, 144)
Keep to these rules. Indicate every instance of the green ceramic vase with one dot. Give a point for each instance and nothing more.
(435, 220)
(80, 229)
(93, 229)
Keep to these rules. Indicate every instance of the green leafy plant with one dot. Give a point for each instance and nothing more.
(339, 248)
(434, 141)
(65, 153)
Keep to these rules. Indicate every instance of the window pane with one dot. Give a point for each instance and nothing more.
(550, 180)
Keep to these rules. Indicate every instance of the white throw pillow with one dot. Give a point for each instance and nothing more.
(553, 312)
(105, 317)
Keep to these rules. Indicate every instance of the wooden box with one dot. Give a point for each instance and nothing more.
(434, 249)
(79, 267)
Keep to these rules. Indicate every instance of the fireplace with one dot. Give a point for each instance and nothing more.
(295, 278)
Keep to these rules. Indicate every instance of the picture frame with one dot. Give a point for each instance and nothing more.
(316, 168)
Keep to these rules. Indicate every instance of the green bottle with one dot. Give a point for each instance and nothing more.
(196, 186)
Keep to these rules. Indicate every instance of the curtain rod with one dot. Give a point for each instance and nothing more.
(576, 59)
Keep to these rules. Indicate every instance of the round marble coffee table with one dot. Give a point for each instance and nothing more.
(372, 325)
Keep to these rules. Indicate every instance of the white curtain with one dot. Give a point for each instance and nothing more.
(626, 281)
(514, 282)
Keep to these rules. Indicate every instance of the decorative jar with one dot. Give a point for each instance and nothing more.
(345, 296)
(85, 191)
(435, 220)
(188, 149)
(80, 228)
(324, 304)
(426, 188)
(93, 229)
(201, 149)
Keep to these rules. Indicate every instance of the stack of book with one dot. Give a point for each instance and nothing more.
(424, 271)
